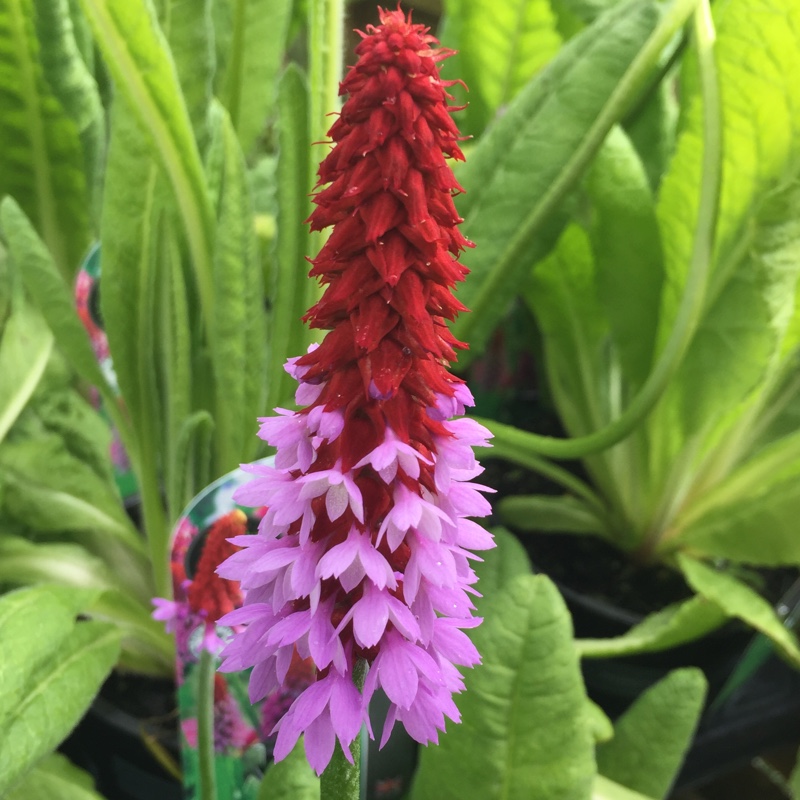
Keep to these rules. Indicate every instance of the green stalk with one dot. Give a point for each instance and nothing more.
(341, 780)
(205, 726)
(693, 299)
(326, 43)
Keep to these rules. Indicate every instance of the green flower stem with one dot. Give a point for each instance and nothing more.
(205, 726)
(341, 780)
(692, 302)
(326, 43)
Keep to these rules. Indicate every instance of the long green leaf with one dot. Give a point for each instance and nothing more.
(175, 327)
(502, 46)
(56, 779)
(758, 527)
(563, 514)
(626, 244)
(24, 562)
(757, 256)
(191, 443)
(74, 85)
(137, 56)
(523, 731)
(667, 713)
(83, 36)
(325, 19)
(56, 491)
(692, 301)
(739, 600)
(258, 41)
(48, 489)
(582, 369)
(222, 25)
(598, 344)
(238, 332)
(58, 407)
(24, 349)
(133, 212)
(190, 33)
(53, 297)
(653, 129)
(37, 724)
(518, 176)
(41, 163)
(563, 295)
(675, 625)
(146, 647)
(287, 295)
(22, 612)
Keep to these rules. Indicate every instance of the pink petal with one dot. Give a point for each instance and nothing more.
(336, 501)
(370, 615)
(320, 741)
(345, 710)
(473, 537)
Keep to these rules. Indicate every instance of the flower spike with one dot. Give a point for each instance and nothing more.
(364, 553)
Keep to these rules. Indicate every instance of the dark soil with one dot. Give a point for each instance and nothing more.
(142, 697)
(592, 567)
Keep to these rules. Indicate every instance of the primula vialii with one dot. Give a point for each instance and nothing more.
(364, 551)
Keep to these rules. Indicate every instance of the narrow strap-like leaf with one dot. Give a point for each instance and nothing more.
(41, 163)
(139, 60)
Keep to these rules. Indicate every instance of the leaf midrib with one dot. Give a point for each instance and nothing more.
(62, 666)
